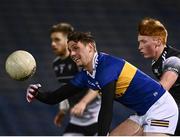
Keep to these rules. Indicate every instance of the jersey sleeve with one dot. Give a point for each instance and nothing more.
(172, 64)
(64, 105)
(104, 121)
(79, 80)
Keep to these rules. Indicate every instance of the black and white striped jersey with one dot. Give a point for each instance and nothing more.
(169, 61)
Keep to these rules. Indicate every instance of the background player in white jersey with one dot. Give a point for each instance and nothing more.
(84, 107)
(152, 38)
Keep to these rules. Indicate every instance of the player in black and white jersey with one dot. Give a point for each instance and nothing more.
(152, 38)
(169, 61)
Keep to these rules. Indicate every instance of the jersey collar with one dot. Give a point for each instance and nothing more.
(162, 56)
(94, 64)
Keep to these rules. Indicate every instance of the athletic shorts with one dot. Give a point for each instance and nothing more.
(161, 117)
(75, 130)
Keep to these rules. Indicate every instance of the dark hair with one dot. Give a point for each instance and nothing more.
(84, 37)
(63, 27)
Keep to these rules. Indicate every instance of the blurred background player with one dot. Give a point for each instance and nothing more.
(83, 117)
(152, 38)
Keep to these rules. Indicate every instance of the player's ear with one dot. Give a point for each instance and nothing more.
(158, 41)
(91, 47)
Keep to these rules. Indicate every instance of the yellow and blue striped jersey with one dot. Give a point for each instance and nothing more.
(134, 88)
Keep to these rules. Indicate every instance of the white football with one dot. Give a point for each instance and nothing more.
(20, 65)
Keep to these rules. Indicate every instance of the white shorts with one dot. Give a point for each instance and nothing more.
(161, 117)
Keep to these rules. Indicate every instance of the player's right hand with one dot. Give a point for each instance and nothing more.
(32, 91)
(78, 109)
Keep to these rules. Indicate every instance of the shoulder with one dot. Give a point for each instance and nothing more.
(172, 60)
(173, 51)
(109, 69)
(56, 59)
(172, 64)
(109, 60)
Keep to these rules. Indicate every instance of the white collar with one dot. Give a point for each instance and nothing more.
(94, 64)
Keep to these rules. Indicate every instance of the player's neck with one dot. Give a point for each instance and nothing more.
(91, 65)
(65, 55)
(159, 52)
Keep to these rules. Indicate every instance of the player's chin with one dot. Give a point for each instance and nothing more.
(78, 64)
(147, 56)
(56, 52)
(144, 55)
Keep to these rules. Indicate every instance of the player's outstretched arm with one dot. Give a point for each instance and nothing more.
(54, 97)
(80, 107)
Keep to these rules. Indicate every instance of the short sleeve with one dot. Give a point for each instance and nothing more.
(172, 64)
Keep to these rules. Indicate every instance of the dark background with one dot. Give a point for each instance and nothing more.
(24, 24)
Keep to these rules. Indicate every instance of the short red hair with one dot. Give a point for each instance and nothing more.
(152, 27)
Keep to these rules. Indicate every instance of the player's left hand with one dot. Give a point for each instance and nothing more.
(78, 109)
